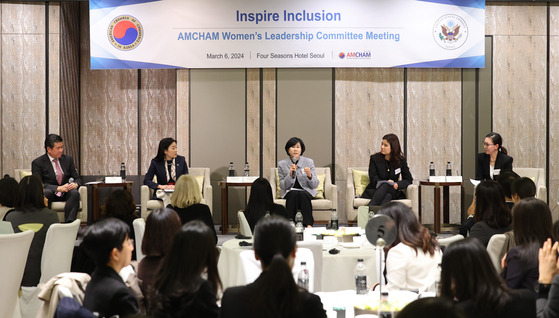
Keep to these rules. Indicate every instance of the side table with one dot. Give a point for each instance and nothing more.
(437, 201)
(225, 201)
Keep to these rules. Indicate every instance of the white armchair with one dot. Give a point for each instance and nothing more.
(322, 208)
(538, 176)
(148, 205)
(59, 206)
(353, 202)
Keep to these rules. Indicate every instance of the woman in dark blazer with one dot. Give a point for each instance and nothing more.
(494, 160)
(387, 165)
(167, 166)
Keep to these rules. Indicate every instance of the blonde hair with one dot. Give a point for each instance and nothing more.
(186, 192)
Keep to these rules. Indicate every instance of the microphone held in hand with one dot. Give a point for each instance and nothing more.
(294, 161)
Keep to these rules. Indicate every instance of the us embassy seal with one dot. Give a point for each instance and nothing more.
(450, 31)
(125, 32)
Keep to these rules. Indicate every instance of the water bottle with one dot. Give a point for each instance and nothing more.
(122, 171)
(292, 224)
(303, 276)
(231, 169)
(361, 278)
(267, 215)
(299, 226)
(431, 169)
(299, 217)
(384, 310)
(448, 169)
(334, 220)
(247, 170)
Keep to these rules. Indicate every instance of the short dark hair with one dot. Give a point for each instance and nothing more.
(102, 237)
(505, 179)
(120, 204)
(161, 227)
(524, 188)
(51, 140)
(8, 191)
(30, 194)
(163, 145)
(292, 142)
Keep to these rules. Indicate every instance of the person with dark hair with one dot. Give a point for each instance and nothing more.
(30, 213)
(8, 193)
(161, 227)
(298, 181)
(59, 176)
(469, 278)
(274, 293)
(261, 201)
(505, 179)
(492, 215)
(385, 169)
(522, 188)
(494, 160)
(180, 289)
(120, 204)
(532, 225)
(412, 260)
(167, 166)
(432, 307)
(107, 242)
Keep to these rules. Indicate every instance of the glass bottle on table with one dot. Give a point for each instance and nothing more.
(334, 220)
(303, 276)
(361, 278)
(448, 169)
(247, 169)
(231, 169)
(431, 169)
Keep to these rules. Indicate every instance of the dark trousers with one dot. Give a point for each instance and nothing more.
(299, 200)
(72, 199)
(383, 194)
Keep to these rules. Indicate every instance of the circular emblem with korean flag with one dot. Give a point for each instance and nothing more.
(450, 31)
(125, 32)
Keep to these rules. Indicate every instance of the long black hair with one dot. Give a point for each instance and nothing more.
(396, 154)
(163, 145)
(260, 201)
(491, 206)
(274, 242)
(30, 194)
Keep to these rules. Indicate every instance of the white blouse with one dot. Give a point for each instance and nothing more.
(406, 269)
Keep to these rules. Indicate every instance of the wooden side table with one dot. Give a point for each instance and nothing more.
(225, 201)
(127, 185)
(437, 201)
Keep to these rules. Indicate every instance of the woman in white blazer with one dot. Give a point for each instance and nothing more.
(298, 181)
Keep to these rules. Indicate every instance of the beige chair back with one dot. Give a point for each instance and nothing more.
(139, 225)
(244, 227)
(494, 248)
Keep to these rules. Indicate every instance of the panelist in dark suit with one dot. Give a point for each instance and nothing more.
(167, 166)
(387, 165)
(59, 176)
(495, 159)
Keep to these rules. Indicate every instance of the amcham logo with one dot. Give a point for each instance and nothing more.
(125, 32)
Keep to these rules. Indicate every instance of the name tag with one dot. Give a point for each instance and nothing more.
(397, 171)
(496, 172)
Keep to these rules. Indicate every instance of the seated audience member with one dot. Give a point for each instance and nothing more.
(531, 220)
(261, 202)
(120, 204)
(180, 288)
(30, 213)
(161, 227)
(274, 293)
(8, 192)
(492, 214)
(167, 166)
(108, 243)
(432, 307)
(548, 281)
(522, 188)
(505, 179)
(412, 260)
(186, 202)
(59, 176)
(469, 278)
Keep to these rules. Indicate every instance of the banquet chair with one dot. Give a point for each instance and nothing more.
(244, 227)
(316, 249)
(139, 225)
(252, 267)
(6, 227)
(59, 206)
(16, 247)
(444, 242)
(202, 175)
(494, 248)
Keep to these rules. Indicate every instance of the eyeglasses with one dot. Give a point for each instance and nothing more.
(487, 145)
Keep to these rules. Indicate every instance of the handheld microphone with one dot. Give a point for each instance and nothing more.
(71, 180)
(294, 161)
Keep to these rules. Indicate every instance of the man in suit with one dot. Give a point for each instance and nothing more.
(59, 175)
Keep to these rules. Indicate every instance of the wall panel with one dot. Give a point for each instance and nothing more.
(253, 120)
(553, 187)
(269, 120)
(183, 112)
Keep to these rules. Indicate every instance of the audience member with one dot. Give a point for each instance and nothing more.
(531, 220)
(108, 243)
(522, 188)
(186, 202)
(8, 193)
(469, 278)
(412, 260)
(548, 290)
(432, 307)
(180, 289)
(120, 204)
(505, 179)
(161, 227)
(261, 202)
(30, 213)
(492, 215)
(274, 293)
